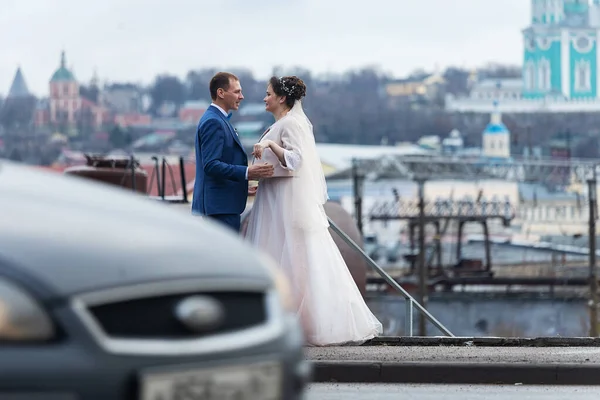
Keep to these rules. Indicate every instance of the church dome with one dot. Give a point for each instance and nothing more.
(62, 74)
(493, 129)
(496, 126)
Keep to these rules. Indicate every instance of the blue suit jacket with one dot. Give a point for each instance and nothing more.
(221, 186)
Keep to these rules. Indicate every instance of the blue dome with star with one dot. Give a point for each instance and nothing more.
(496, 126)
(494, 129)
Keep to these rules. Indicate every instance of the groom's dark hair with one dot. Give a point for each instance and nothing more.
(220, 81)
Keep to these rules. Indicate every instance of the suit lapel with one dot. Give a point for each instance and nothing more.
(229, 126)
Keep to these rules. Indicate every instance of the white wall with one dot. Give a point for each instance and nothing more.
(496, 145)
(521, 105)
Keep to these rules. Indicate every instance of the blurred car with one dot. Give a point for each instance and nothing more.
(105, 294)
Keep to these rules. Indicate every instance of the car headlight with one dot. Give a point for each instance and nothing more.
(21, 317)
(281, 282)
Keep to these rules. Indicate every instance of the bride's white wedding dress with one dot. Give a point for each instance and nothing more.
(289, 223)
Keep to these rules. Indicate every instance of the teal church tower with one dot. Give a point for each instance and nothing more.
(561, 55)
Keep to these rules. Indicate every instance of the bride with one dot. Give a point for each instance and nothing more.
(289, 223)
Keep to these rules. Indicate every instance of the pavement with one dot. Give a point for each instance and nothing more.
(537, 361)
(352, 391)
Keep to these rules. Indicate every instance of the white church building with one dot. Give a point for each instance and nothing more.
(496, 138)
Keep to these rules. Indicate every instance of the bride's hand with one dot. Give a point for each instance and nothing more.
(259, 147)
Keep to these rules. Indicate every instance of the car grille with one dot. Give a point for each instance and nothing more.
(154, 317)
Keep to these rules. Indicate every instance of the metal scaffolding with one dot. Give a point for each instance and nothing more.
(421, 168)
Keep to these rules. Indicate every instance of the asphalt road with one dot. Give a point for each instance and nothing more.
(338, 391)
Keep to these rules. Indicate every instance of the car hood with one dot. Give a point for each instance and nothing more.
(75, 235)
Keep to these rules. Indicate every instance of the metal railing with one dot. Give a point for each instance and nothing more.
(411, 303)
(159, 173)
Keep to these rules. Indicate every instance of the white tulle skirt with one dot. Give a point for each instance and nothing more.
(330, 305)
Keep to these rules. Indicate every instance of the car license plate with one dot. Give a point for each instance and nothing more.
(260, 381)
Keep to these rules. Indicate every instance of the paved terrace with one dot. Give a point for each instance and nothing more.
(555, 361)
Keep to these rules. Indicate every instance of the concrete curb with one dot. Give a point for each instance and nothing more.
(455, 373)
(484, 341)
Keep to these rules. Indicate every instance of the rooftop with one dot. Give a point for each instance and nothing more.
(18, 87)
(196, 105)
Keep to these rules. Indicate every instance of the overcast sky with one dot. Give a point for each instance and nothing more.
(134, 40)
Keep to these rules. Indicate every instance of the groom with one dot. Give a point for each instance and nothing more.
(222, 172)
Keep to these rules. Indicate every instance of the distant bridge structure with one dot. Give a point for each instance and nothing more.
(520, 169)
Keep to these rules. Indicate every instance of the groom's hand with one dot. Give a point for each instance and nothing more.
(257, 171)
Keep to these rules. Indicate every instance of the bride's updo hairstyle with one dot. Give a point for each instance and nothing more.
(292, 87)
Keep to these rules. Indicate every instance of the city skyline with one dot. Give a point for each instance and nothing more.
(124, 42)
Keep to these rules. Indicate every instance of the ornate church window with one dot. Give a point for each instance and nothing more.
(544, 75)
(529, 75)
(583, 78)
(544, 43)
(583, 43)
